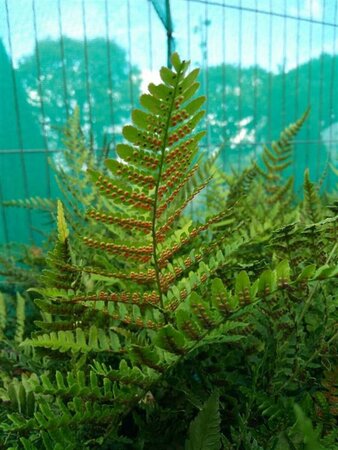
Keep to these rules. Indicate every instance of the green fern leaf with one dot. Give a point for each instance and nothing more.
(204, 431)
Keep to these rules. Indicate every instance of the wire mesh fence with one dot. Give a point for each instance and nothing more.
(262, 64)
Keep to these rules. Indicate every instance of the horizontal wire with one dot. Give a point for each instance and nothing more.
(267, 13)
(300, 141)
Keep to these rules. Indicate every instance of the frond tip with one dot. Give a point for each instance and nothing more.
(63, 231)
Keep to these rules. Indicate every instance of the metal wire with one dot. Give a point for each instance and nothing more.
(264, 12)
(41, 101)
(297, 81)
(270, 75)
(109, 74)
(19, 131)
(307, 156)
(206, 69)
(63, 65)
(227, 144)
(224, 154)
(130, 56)
(150, 36)
(255, 76)
(283, 111)
(188, 31)
(239, 79)
(320, 105)
(332, 89)
(86, 61)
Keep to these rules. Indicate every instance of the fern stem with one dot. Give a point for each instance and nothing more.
(157, 186)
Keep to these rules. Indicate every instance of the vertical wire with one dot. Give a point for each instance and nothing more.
(270, 76)
(63, 65)
(131, 93)
(188, 30)
(297, 81)
(223, 85)
(169, 29)
(255, 77)
(239, 81)
(206, 70)
(20, 139)
(86, 61)
(320, 106)
(309, 88)
(150, 37)
(40, 93)
(283, 112)
(109, 75)
(332, 88)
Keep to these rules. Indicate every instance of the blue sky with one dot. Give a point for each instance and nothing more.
(230, 35)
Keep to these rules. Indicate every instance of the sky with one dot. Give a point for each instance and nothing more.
(245, 38)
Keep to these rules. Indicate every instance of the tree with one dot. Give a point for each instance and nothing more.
(94, 75)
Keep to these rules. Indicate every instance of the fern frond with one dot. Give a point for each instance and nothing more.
(20, 318)
(3, 315)
(77, 341)
(204, 431)
(311, 207)
(278, 158)
(34, 203)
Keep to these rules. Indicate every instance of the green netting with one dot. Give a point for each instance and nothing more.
(262, 64)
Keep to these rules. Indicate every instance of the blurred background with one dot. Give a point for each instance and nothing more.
(262, 64)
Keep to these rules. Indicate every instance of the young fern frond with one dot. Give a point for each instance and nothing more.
(312, 207)
(59, 259)
(20, 318)
(3, 315)
(277, 159)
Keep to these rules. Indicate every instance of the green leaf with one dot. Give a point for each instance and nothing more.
(131, 133)
(140, 118)
(170, 339)
(190, 91)
(189, 79)
(202, 311)
(160, 91)
(151, 103)
(20, 318)
(304, 425)
(63, 231)
(283, 271)
(187, 325)
(176, 62)
(3, 314)
(204, 431)
(267, 282)
(325, 272)
(168, 76)
(125, 151)
(242, 287)
(307, 272)
(195, 105)
(242, 282)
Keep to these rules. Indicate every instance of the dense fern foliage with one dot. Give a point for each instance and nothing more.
(161, 330)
